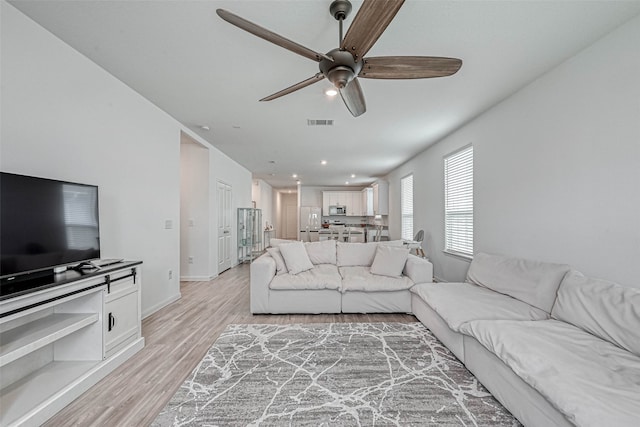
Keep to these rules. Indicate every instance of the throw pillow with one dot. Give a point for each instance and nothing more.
(389, 261)
(323, 252)
(296, 258)
(281, 267)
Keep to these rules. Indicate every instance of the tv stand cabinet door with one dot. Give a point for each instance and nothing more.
(121, 315)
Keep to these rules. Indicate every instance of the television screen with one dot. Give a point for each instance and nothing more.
(46, 223)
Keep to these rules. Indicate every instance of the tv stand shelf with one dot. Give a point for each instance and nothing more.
(58, 341)
(28, 338)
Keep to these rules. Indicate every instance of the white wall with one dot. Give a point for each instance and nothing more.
(194, 211)
(63, 117)
(556, 169)
(262, 194)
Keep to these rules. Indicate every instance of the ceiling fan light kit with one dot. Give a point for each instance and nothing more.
(344, 65)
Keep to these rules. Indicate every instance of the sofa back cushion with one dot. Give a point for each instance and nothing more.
(277, 242)
(356, 254)
(533, 282)
(323, 252)
(604, 309)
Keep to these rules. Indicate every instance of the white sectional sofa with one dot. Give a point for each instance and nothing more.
(336, 277)
(554, 347)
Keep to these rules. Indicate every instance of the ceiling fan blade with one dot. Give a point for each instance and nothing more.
(304, 83)
(354, 98)
(372, 19)
(409, 67)
(270, 36)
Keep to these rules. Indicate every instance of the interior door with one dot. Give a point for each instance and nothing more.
(224, 194)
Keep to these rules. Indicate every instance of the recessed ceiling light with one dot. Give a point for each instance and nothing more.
(298, 182)
(346, 182)
(331, 92)
(205, 128)
(272, 161)
(295, 175)
(272, 174)
(323, 162)
(353, 175)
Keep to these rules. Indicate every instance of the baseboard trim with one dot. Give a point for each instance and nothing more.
(149, 311)
(196, 278)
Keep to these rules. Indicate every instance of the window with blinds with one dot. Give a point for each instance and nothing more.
(406, 206)
(458, 202)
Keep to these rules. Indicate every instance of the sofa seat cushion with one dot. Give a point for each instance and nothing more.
(323, 276)
(458, 303)
(361, 279)
(591, 381)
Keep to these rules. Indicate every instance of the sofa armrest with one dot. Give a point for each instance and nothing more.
(262, 271)
(419, 270)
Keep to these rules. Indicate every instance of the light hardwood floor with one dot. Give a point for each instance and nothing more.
(177, 338)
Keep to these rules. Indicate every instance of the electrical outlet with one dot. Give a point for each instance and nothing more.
(168, 224)
(190, 260)
(170, 274)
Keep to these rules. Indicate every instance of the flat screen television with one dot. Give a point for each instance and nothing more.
(44, 224)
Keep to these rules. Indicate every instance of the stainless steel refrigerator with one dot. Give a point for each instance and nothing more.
(310, 222)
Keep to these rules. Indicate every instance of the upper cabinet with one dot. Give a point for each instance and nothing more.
(354, 206)
(352, 200)
(370, 201)
(380, 198)
(367, 201)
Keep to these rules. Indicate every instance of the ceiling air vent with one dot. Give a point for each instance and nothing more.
(319, 122)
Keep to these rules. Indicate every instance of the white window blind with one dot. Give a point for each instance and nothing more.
(458, 202)
(406, 206)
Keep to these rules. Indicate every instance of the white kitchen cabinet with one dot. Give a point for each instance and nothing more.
(367, 201)
(325, 203)
(354, 207)
(350, 199)
(380, 198)
(329, 198)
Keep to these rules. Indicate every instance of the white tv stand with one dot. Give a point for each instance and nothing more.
(55, 343)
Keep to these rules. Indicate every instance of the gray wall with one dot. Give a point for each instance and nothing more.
(556, 169)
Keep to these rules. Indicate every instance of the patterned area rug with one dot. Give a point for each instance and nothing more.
(360, 374)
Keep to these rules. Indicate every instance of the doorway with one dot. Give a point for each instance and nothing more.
(223, 199)
(195, 225)
(287, 215)
(290, 220)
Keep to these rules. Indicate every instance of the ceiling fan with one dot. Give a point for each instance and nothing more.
(345, 64)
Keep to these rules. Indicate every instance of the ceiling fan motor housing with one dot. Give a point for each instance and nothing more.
(342, 69)
(340, 9)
